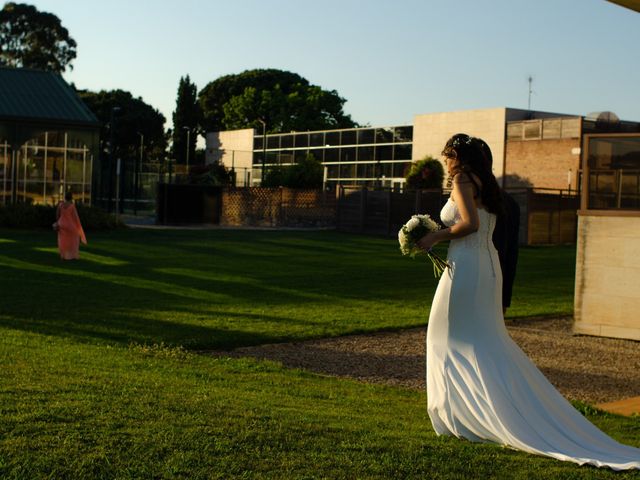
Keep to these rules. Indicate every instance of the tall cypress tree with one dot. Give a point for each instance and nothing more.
(185, 121)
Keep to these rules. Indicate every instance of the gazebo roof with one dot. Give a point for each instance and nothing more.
(44, 97)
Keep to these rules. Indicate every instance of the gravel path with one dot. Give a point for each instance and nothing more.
(590, 369)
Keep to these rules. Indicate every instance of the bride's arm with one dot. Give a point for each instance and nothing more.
(462, 195)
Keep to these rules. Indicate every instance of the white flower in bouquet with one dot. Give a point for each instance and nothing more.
(412, 231)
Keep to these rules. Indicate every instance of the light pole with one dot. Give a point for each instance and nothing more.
(188, 129)
(112, 128)
(136, 178)
(264, 148)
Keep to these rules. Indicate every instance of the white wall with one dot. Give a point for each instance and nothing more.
(234, 149)
(431, 132)
(607, 292)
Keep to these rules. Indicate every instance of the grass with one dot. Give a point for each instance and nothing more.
(98, 377)
(222, 289)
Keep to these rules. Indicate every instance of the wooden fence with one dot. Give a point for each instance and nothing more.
(546, 216)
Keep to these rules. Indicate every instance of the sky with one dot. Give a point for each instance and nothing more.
(391, 60)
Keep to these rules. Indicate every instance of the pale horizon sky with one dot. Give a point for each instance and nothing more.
(389, 60)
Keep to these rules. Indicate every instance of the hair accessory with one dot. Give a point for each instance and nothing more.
(462, 141)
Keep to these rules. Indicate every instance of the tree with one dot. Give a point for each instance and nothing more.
(307, 173)
(186, 118)
(133, 118)
(127, 121)
(33, 39)
(425, 173)
(285, 101)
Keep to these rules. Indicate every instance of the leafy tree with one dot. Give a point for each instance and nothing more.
(425, 173)
(284, 100)
(132, 118)
(185, 117)
(307, 173)
(33, 39)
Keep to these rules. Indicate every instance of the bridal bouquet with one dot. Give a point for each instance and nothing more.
(412, 231)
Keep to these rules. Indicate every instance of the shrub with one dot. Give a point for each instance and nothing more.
(22, 215)
(425, 173)
(307, 173)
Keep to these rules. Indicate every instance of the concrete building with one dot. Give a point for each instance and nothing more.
(607, 298)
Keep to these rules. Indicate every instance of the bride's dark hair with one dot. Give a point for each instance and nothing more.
(472, 158)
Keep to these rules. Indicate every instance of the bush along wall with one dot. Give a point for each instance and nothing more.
(24, 216)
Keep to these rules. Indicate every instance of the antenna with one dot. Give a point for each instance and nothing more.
(530, 79)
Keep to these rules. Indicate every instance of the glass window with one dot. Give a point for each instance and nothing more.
(257, 158)
(318, 153)
(402, 152)
(386, 170)
(332, 138)
(285, 156)
(55, 139)
(348, 137)
(75, 167)
(301, 140)
(333, 171)
(257, 143)
(348, 154)
(348, 170)
(273, 141)
(286, 141)
(366, 136)
(401, 169)
(384, 135)
(365, 154)
(366, 170)
(300, 155)
(403, 134)
(317, 139)
(384, 152)
(331, 155)
(272, 158)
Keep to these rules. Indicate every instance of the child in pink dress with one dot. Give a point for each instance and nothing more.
(70, 231)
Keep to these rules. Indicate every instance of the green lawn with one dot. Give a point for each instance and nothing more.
(98, 378)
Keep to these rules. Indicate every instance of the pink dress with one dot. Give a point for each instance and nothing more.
(70, 232)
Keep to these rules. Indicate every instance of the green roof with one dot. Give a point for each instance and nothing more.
(35, 95)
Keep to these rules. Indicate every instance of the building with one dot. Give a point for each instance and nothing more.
(607, 298)
(48, 139)
(530, 148)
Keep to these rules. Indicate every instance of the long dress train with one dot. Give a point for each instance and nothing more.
(480, 385)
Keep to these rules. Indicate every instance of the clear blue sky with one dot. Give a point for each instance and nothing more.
(389, 59)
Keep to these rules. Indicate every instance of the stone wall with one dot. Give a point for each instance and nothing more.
(607, 293)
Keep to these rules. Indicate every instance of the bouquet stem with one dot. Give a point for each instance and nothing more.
(439, 265)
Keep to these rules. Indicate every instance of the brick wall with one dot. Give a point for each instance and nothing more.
(542, 163)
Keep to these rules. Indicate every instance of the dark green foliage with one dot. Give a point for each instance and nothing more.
(425, 173)
(135, 117)
(307, 173)
(33, 39)
(285, 101)
(185, 117)
(25, 216)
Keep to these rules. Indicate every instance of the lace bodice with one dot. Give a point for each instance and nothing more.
(450, 216)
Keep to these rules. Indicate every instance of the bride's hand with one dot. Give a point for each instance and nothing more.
(428, 241)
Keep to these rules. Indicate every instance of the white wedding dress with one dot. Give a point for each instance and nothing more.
(480, 385)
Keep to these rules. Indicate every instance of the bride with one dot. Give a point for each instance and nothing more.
(480, 385)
